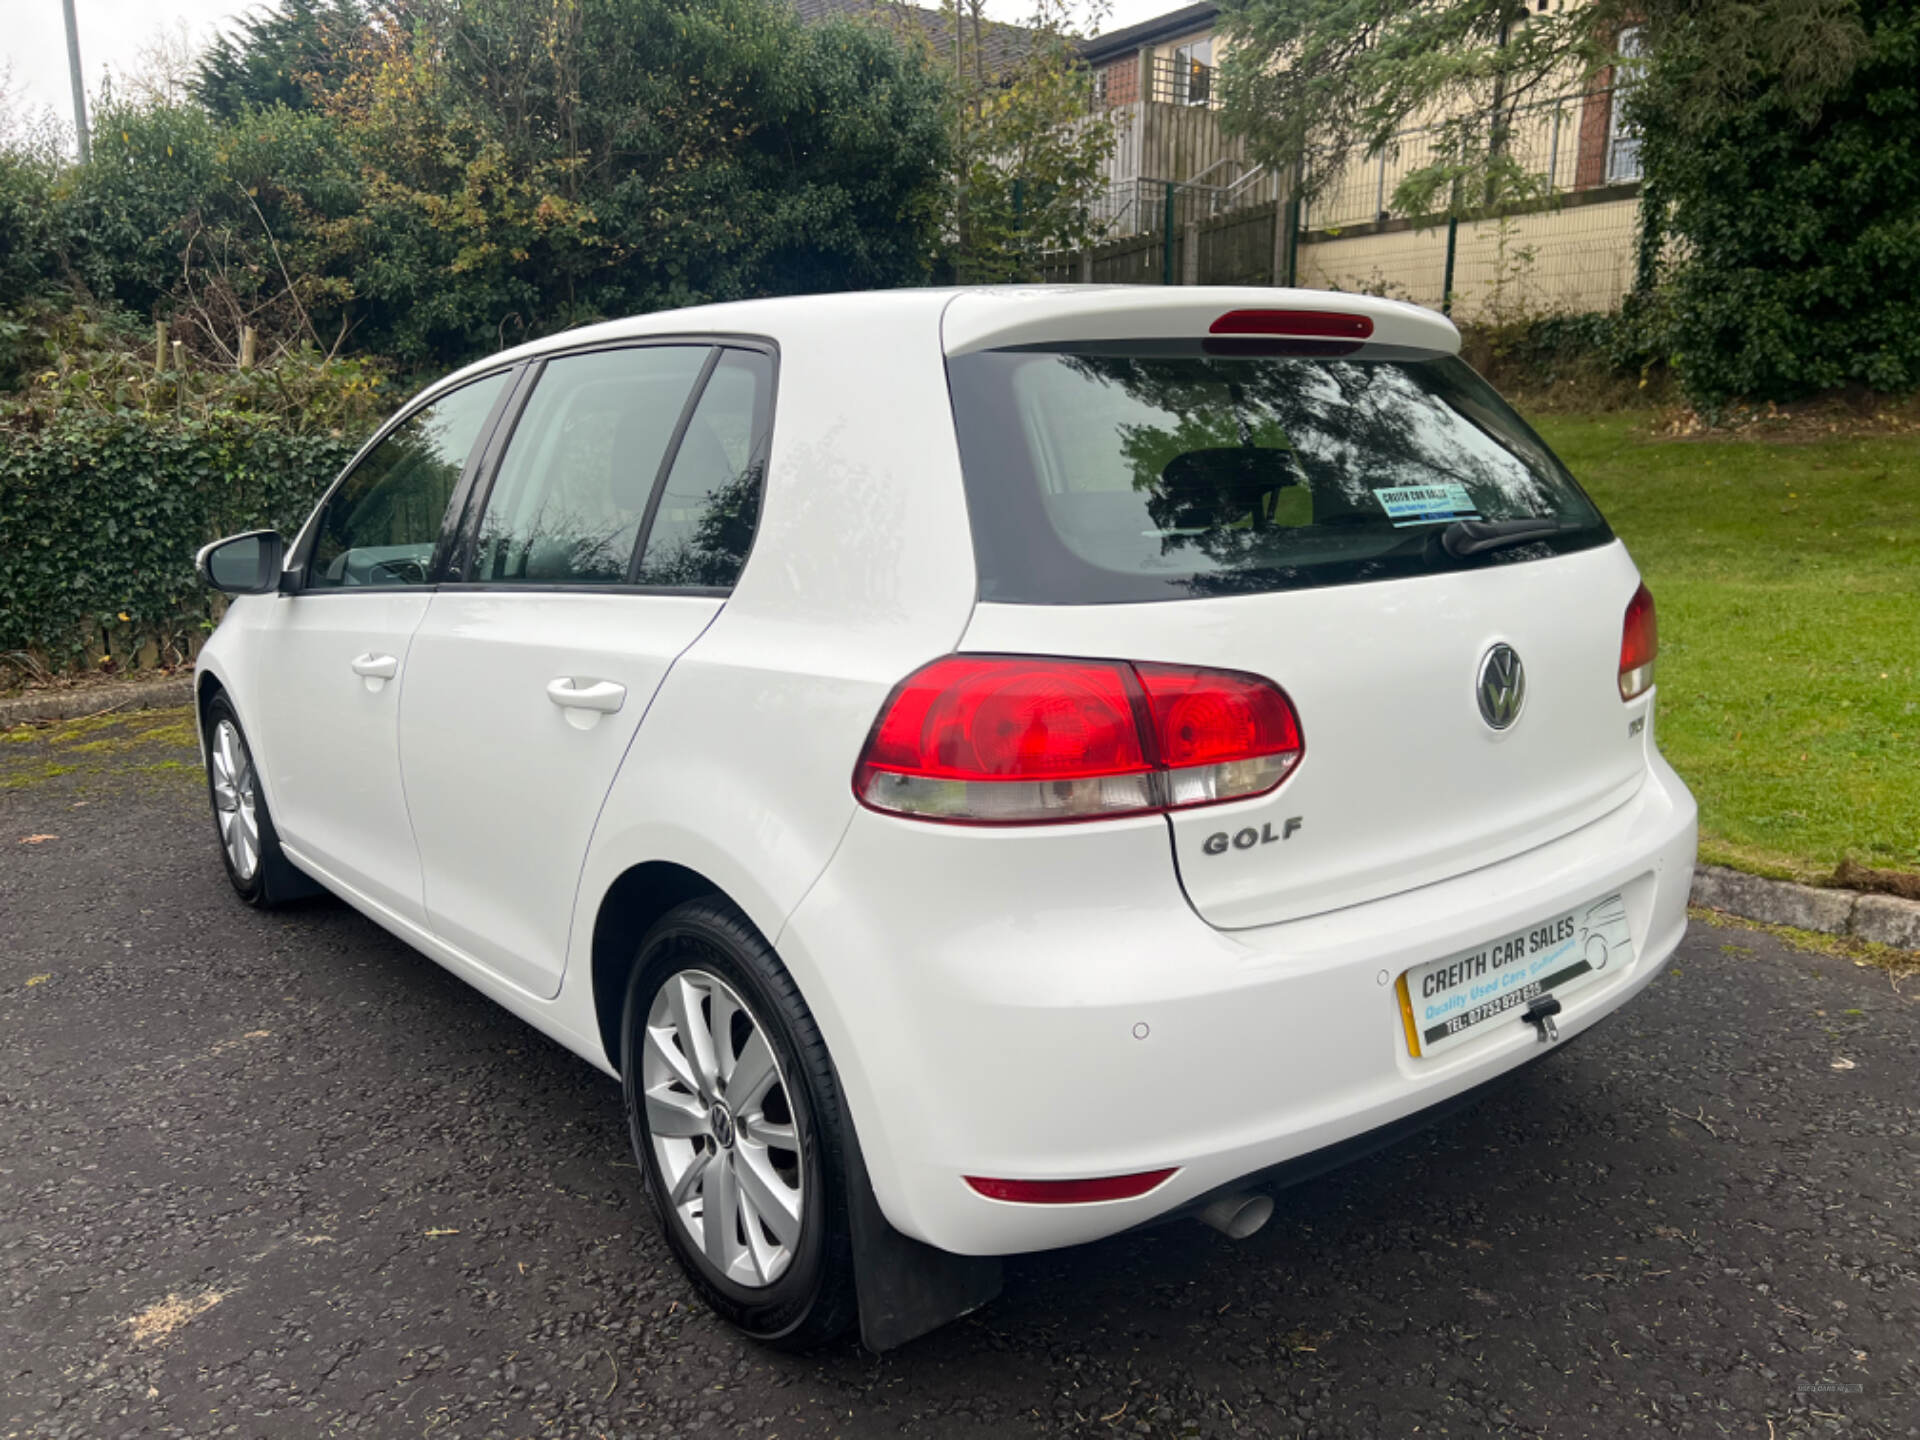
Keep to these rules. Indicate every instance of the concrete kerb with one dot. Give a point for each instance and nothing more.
(96, 699)
(1882, 919)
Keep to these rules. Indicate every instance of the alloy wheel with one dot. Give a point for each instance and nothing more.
(234, 799)
(721, 1122)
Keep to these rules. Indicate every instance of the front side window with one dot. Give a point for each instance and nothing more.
(1165, 469)
(711, 503)
(571, 494)
(381, 524)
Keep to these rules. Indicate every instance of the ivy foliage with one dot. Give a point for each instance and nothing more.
(101, 514)
(1801, 222)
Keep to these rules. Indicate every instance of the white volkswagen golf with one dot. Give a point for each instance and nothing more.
(985, 769)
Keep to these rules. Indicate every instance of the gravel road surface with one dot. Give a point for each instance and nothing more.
(277, 1175)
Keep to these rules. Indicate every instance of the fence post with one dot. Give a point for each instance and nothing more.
(1166, 239)
(1293, 241)
(1086, 264)
(1446, 280)
(1190, 254)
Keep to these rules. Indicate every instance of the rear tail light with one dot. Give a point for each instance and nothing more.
(1005, 739)
(1070, 1192)
(1639, 644)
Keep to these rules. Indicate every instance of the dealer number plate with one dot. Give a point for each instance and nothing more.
(1452, 1001)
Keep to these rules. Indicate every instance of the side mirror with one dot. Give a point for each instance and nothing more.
(247, 564)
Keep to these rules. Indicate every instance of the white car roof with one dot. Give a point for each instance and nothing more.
(986, 317)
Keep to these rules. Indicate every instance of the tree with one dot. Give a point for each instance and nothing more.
(1800, 207)
(468, 173)
(291, 55)
(530, 166)
(1028, 146)
(1313, 83)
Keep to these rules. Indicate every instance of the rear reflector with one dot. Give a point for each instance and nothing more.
(1328, 324)
(1070, 1192)
(1639, 645)
(1020, 739)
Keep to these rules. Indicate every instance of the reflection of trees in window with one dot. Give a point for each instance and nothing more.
(1347, 427)
(713, 552)
(408, 483)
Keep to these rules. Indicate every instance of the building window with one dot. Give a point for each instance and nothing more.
(1193, 73)
(1623, 140)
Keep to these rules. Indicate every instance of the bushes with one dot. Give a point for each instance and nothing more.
(112, 474)
(1587, 358)
(1801, 224)
(100, 516)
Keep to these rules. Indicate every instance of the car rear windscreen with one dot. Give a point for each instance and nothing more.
(1155, 470)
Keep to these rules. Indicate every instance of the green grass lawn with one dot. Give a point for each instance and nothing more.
(1787, 577)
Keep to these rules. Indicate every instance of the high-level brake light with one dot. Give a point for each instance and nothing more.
(1013, 739)
(1324, 324)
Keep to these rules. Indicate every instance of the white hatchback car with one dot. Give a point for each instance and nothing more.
(987, 769)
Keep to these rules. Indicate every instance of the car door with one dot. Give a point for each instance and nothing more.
(617, 516)
(333, 655)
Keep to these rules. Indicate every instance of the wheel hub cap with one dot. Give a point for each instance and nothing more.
(721, 1125)
(230, 768)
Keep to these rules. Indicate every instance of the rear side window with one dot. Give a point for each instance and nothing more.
(1168, 469)
(704, 525)
(571, 493)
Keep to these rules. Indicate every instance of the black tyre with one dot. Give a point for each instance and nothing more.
(249, 845)
(737, 1124)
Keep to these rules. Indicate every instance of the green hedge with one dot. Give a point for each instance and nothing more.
(100, 516)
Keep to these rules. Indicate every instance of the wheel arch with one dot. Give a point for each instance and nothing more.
(636, 899)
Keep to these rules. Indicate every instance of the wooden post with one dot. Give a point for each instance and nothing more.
(1190, 254)
(159, 347)
(1086, 265)
(249, 343)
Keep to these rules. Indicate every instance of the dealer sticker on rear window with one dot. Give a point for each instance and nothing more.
(1426, 504)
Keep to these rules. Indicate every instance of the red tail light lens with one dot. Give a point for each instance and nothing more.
(1219, 735)
(1070, 1192)
(1003, 739)
(1327, 324)
(1639, 645)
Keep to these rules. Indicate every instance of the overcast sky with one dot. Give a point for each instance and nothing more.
(113, 33)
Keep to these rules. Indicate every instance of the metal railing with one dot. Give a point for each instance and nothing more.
(1570, 142)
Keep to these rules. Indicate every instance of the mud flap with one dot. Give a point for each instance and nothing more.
(905, 1287)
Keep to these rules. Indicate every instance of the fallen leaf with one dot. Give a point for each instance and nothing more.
(440, 1232)
(37, 839)
(1842, 1063)
(157, 1322)
(33, 980)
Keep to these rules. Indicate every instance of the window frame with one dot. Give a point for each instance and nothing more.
(475, 497)
(300, 561)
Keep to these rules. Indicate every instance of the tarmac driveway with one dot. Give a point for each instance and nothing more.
(277, 1175)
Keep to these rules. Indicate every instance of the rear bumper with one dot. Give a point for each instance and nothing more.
(1046, 1005)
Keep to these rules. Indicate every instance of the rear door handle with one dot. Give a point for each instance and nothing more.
(376, 667)
(605, 696)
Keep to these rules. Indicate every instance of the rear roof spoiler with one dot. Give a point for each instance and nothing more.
(993, 319)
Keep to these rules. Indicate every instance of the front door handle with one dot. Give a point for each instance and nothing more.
(604, 696)
(376, 667)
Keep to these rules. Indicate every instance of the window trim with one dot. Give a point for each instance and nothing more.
(477, 494)
(300, 559)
